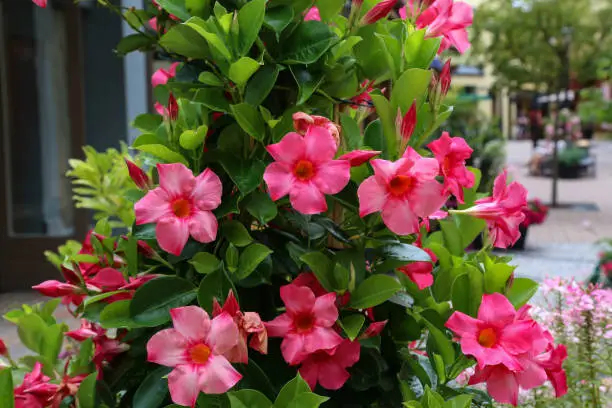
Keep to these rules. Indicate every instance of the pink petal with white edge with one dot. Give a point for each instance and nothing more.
(359, 157)
(172, 235)
(291, 148)
(279, 326)
(203, 226)
(223, 334)
(320, 144)
(168, 348)
(191, 321)
(307, 198)
(218, 376)
(333, 176)
(154, 206)
(372, 196)
(207, 191)
(399, 218)
(496, 310)
(325, 310)
(297, 299)
(279, 179)
(321, 338)
(176, 179)
(184, 384)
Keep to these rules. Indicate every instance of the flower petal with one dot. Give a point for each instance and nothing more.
(223, 333)
(154, 206)
(347, 354)
(167, 347)
(279, 326)
(297, 299)
(207, 191)
(427, 198)
(462, 324)
(175, 179)
(502, 386)
(183, 383)
(191, 321)
(320, 144)
(372, 196)
(279, 179)
(292, 349)
(496, 310)
(333, 176)
(203, 226)
(399, 217)
(325, 310)
(309, 371)
(291, 148)
(332, 376)
(218, 376)
(306, 198)
(321, 338)
(358, 157)
(172, 235)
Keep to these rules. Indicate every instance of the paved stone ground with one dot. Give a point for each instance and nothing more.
(563, 246)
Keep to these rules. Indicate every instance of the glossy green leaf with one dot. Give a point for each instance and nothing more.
(260, 85)
(213, 40)
(278, 18)
(162, 152)
(374, 137)
(350, 132)
(309, 41)
(250, 19)
(184, 40)
(147, 122)
(469, 228)
(322, 267)
(496, 276)
(31, 329)
(117, 315)
(7, 398)
(205, 263)
(134, 42)
(328, 9)
(212, 98)
(374, 291)
(307, 400)
(521, 291)
(212, 401)
(261, 206)
(214, 285)
(86, 395)
(153, 390)
(236, 233)
(53, 338)
(250, 258)
(467, 290)
(420, 52)
(386, 116)
(175, 7)
(443, 345)
(209, 78)
(397, 255)
(460, 401)
(242, 70)
(452, 236)
(248, 399)
(411, 85)
(345, 47)
(290, 392)
(307, 82)
(352, 325)
(247, 175)
(152, 301)
(250, 120)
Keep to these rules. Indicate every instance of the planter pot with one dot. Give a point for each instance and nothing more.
(569, 172)
(520, 244)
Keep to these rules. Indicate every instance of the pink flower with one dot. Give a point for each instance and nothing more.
(552, 363)
(420, 272)
(105, 348)
(68, 387)
(448, 20)
(445, 77)
(35, 391)
(307, 324)
(405, 125)
(328, 367)
(312, 14)
(309, 280)
(53, 288)
(161, 76)
(181, 206)
(248, 323)
(403, 191)
(496, 337)
(40, 3)
(195, 347)
(363, 98)
(305, 169)
(138, 175)
(380, 10)
(373, 330)
(503, 211)
(302, 122)
(451, 153)
(438, 215)
(359, 157)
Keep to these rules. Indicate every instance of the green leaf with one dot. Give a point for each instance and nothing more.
(209, 78)
(467, 290)
(86, 395)
(133, 42)
(420, 52)
(248, 399)
(214, 285)
(261, 84)
(205, 263)
(152, 301)
(307, 400)
(185, 41)
(397, 255)
(374, 137)
(147, 122)
(250, 19)
(236, 233)
(51, 345)
(307, 82)
(322, 267)
(162, 152)
(443, 345)
(31, 329)
(213, 40)
(153, 390)
(345, 47)
(242, 70)
(261, 206)
(496, 276)
(350, 131)
(175, 7)
(212, 401)
(307, 43)
(329, 9)
(521, 291)
(469, 228)
(411, 85)
(352, 325)
(374, 291)
(7, 398)
(461, 401)
(278, 18)
(117, 315)
(387, 119)
(212, 98)
(250, 258)
(231, 258)
(247, 175)
(290, 392)
(249, 119)
(452, 237)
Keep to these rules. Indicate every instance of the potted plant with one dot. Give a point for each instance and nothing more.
(280, 254)
(570, 162)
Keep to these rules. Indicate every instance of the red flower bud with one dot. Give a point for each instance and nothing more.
(445, 77)
(173, 109)
(3, 349)
(379, 11)
(138, 176)
(406, 125)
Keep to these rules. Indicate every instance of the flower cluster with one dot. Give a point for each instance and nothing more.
(535, 213)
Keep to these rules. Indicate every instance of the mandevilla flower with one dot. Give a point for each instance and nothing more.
(380, 10)
(420, 272)
(35, 390)
(181, 206)
(448, 20)
(312, 15)
(196, 348)
(306, 326)
(305, 169)
(328, 367)
(405, 125)
(40, 3)
(138, 175)
(503, 212)
(403, 191)
(451, 153)
(359, 157)
(105, 348)
(445, 77)
(162, 75)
